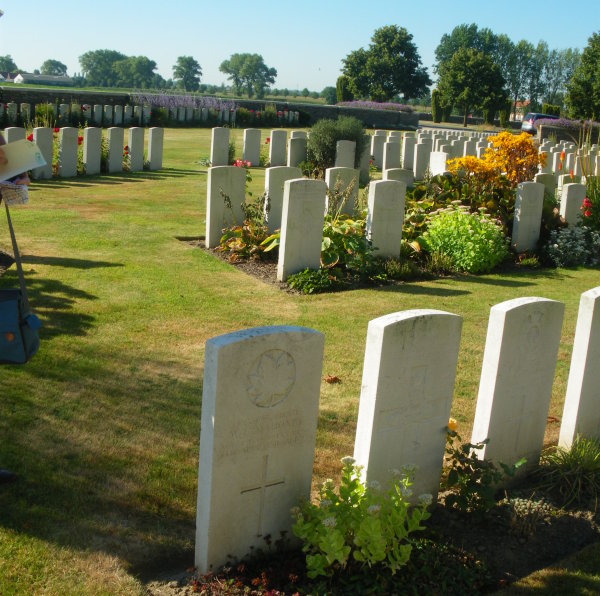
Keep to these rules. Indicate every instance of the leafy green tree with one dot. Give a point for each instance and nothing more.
(536, 83)
(97, 67)
(135, 71)
(517, 71)
(7, 64)
(342, 89)
(471, 80)
(558, 70)
(249, 72)
(583, 90)
(53, 67)
(305, 92)
(187, 72)
(329, 95)
(391, 66)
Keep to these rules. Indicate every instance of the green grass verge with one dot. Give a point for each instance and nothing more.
(103, 424)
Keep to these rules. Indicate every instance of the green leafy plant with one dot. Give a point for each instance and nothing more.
(315, 281)
(473, 481)
(526, 515)
(474, 242)
(572, 474)
(358, 524)
(571, 247)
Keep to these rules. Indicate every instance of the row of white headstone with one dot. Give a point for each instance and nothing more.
(68, 142)
(568, 158)
(260, 406)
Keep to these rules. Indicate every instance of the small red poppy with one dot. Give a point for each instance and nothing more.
(30, 137)
(79, 140)
(56, 129)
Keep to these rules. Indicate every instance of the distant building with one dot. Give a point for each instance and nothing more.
(39, 79)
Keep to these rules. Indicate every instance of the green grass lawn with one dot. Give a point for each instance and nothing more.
(103, 424)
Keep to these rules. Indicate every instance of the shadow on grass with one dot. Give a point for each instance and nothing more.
(108, 465)
(67, 262)
(418, 290)
(53, 302)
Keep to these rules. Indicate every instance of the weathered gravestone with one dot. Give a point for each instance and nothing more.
(301, 226)
(549, 182)
(251, 150)
(275, 179)
(571, 198)
(118, 115)
(136, 149)
(408, 152)
(42, 137)
(298, 134)
(127, 115)
(391, 154)
(277, 148)
(114, 141)
(260, 404)
(14, 133)
(516, 379)
(11, 112)
(92, 139)
(224, 183)
(296, 151)
(343, 183)
(528, 216)
(67, 152)
(385, 216)
(344, 154)
(406, 394)
(364, 167)
(581, 413)
(400, 174)
(421, 161)
(377, 143)
(108, 115)
(219, 147)
(97, 114)
(155, 147)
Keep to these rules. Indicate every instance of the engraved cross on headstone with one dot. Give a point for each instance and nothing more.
(262, 486)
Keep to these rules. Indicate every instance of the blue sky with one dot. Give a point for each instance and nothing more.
(304, 40)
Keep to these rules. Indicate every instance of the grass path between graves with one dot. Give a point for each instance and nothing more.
(102, 426)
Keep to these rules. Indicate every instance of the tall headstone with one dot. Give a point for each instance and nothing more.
(377, 143)
(399, 174)
(528, 216)
(421, 163)
(136, 149)
(42, 137)
(344, 154)
(67, 152)
(516, 379)
(92, 140)
(365, 161)
(14, 133)
(251, 148)
(385, 216)
(118, 115)
(260, 406)
(301, 226)
(223, 183)
(25, 110)
(437, 162)
(406, 395)
(87, 112)
(275, 178)
(11, 112)
(63, 114)
(342, 181)
(98, 112)
(549, 182)
(155, 147)
(277, 147)
(296, 151)
(127, 115)
(391, 155)
(408, 152)
(219, 147)
(581, 413)
(114, 141)
(108, 115)
(298, 134)
(571, 198)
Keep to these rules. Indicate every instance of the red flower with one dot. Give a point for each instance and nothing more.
(587, 202)
(571, 173)
(30, 137)
(79, 140)
(126, 148)
(559, 166)
(587, 213)
(56, 130)
(267, 140)
(562, 155)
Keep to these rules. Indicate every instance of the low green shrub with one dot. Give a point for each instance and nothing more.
(360, 524)
(315, 281)
(474, 242)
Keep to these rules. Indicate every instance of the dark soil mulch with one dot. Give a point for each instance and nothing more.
(6, 261)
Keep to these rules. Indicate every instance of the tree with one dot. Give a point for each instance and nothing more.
(471, 80)
(517, 71)
(558, 70)
(249, 72)
(329, 95)
(391, 66)
(342, 89)
(53, 67)
(187, 71)
(536, 83)
(7, 64)
(97, 67)
(583, 90)
(135, 71)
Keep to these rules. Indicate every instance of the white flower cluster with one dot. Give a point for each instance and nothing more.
(574, 246)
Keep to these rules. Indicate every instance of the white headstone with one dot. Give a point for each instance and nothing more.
(127, 115)
(340, 180)
(528, 216)
(108, 115)
(11, 112)
(229, 181)
(516, 379)
(437, 162)
(251, 150)
(14, 133)
(344, 154)
(301, 226)
(364, 166)
(549, 182)
(571, 199)
(385, 216)
(377, 143)
(421, 163)
(391, 155)
(87, 112)
(260, 405)
(114, 141)
(296, 151)
(92, 139)
(42, 137)
(277, 147)
(470, 148)
(406, 395)
(97, 114)
(400, 174)
(118, 115)
(155, 147)
(219, 147)
(298, 134)
(581, 413)
(63, 114)
(25, 110)
(275, 179)
(67, 152)
(136, 149)
(408, 152)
